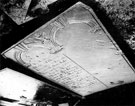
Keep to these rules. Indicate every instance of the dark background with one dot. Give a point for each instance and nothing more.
(10, 33)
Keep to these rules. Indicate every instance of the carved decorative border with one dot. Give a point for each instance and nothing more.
(43, 53)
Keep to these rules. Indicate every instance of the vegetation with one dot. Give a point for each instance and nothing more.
(5, 27)
(122, 14)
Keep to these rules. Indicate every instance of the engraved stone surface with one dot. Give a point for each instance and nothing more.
(75, 51)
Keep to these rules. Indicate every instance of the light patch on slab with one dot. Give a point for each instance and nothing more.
(16, 85)
(17, 89)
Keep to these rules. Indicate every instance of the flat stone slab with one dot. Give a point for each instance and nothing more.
(76, 51)
(17, 88)
(18, 10)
